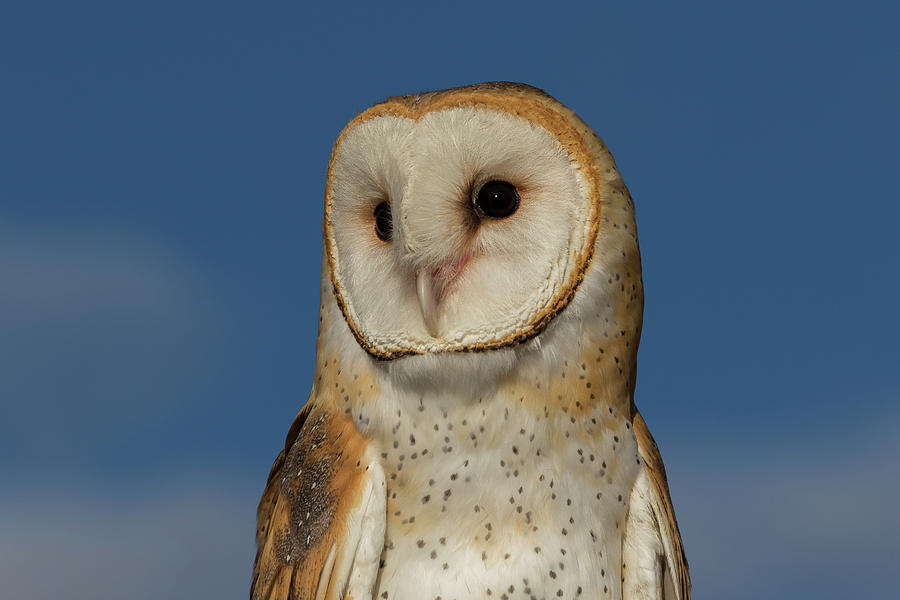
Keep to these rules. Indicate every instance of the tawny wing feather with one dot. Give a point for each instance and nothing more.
(321, 518)
(674, 574)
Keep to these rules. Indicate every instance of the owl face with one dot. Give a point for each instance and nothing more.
(455, 223)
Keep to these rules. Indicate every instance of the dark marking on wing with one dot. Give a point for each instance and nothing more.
(313, 482)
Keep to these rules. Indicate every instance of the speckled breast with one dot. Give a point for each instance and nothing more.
(507, 497)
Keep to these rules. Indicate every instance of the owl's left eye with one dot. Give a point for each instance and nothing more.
(497, 200)
(384, 227)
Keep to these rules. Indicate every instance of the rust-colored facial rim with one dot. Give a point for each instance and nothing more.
(527, 103)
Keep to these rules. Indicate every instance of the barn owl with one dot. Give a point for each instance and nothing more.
(471, 431)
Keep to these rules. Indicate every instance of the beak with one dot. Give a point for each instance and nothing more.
(431, 288)
(427, 289)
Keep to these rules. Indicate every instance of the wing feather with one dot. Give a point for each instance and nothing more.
(324, 501)
(651, 507)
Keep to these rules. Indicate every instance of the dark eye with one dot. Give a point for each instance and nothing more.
(383, 225)
(497, 199)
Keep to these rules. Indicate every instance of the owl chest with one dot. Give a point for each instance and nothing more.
(507, 508)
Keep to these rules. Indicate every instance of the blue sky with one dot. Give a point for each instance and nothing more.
(161, 178)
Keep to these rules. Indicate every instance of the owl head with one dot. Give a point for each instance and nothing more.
(472, 219)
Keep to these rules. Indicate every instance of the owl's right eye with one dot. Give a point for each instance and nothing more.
(383, 225)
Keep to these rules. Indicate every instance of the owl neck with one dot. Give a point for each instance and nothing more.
(569, 375)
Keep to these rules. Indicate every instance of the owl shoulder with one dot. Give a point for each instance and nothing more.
(653, 553)
(321, 518)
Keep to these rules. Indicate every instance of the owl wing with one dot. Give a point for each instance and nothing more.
(321, 519)
(654, 562)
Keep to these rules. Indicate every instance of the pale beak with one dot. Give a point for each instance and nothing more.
(431, 288)
(427, 289)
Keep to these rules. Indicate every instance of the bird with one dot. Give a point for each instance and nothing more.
(471, 430)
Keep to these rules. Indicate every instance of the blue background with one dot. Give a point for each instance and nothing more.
(161, 177)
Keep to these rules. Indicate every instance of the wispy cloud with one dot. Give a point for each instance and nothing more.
(193, 538)
(96, 332)
(794, 519)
